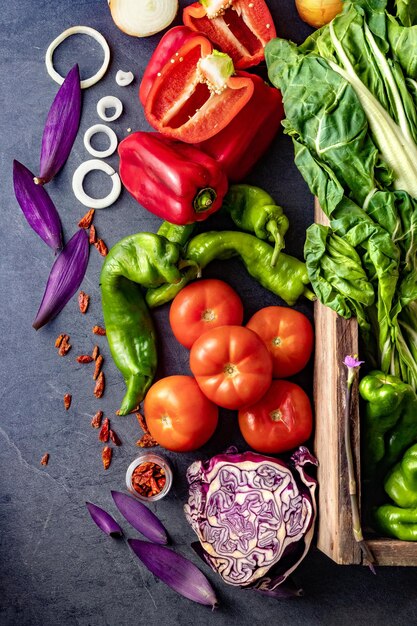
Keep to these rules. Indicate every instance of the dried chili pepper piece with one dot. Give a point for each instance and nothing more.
(63, 345)
(83, 301)
(95, 353)
(97, 369)
(59, 340)
(148, 479)
(99, 387)
(84, 358)
(104, 432)
(45, 459)
(106, 457)
(115, 438)
(99, 330)
(86, 220)
(67, 401)
(93, 236)
(96, 421)
(147, 441)
(101, 247)
(142, 423)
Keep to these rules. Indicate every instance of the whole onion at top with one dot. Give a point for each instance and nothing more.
(254, 515)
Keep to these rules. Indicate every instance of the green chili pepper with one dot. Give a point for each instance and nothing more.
(397, 522)
(288, 279)
(254, 210)
(148, 260)
(389, 422)
(176, 233)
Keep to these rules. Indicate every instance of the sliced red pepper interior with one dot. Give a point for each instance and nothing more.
(245, 36)
(181, 79)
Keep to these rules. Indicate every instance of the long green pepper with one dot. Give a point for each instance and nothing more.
(146, 260)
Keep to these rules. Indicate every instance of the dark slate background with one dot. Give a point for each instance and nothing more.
(56, 567)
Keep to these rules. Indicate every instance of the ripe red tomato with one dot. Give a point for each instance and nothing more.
(288, 335)
(178, 414)
(231, 365)
(280, 421)
(203, 305)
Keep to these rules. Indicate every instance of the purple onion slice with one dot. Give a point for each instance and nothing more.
(175, 571)
(61, 127)
(66, 276)
(37, 206)
(104, 520)
(140, 517)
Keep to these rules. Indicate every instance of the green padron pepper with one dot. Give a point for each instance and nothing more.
(141, 260)
(254, 210)
(400, 519)
(288, 279)
(389, 423)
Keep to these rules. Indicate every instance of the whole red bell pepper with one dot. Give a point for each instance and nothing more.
(170, 43)
(239, 27)
(196, 94)
(239, 146)
(171, 179)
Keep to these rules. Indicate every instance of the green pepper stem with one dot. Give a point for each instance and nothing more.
(204, 199)
(356, 519)
(272, 227)
(310, 295)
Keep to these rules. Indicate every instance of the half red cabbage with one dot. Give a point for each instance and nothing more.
(254, 515)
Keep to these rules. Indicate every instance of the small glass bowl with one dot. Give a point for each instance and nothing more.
(149, 457)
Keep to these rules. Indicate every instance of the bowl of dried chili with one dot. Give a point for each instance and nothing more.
(149, 477)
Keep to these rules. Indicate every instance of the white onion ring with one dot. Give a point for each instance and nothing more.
(78, 30)
(123, 79)
(100, 128)
(78, 179)
(109, 102)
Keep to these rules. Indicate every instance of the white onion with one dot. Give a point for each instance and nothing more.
(100, 128)
(141, 18)
(109, 102)
(78, 179)
(123, 79)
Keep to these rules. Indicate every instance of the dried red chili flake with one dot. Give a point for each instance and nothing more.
(97, 369)
(93, 236)
(99, 330)
(99, 387)
(101, 247)
(85, 222)
(142, 423)
(115, 438)
(67, 401)
(148, 479)
(59, 339)
(95, 353)
(96, 421)
(147, 441)
(106, 457)
(63, 345)
(84, 358)
(83, 301)
(104, 432)
(45, 459)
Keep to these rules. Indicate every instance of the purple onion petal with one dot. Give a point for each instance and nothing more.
(104, 520)
(61, 126)
(66, 276)
(140, 517)
(175, 571)
(37, 206)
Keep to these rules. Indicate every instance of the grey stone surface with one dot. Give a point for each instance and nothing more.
(56, 567)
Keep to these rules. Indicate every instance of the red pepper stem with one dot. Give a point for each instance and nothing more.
(204, 199)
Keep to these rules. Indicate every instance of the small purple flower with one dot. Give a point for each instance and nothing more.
(352, 361)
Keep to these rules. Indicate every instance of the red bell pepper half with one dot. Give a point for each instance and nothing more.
(241, 144)
(195, 94)
(170, 43)
(171, 179)
(241, 28)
